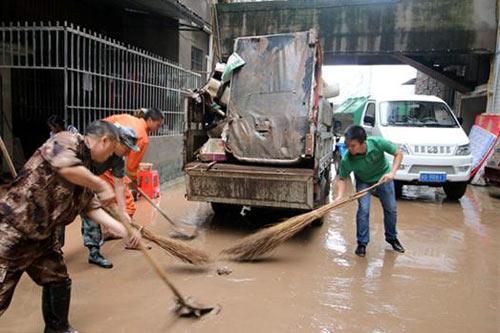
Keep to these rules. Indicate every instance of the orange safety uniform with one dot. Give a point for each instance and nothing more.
(134, 158)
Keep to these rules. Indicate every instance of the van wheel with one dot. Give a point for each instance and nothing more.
(398, 189)
(455, 191)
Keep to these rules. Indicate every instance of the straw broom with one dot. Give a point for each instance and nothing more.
(184, 306)
(266, 240)
(173, 247)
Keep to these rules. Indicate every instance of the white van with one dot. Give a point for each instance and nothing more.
(435, 147)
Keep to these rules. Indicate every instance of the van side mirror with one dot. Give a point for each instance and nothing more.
(460, 120)
(369, 121)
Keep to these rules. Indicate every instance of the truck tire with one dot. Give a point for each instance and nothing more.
(398, 189)
(317, 223)
(455, 191)
(324, 194)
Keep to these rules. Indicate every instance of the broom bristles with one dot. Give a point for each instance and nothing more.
(266, 240)
(176, 248)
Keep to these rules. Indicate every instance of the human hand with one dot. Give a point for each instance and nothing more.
(387, 178)
(133, 239)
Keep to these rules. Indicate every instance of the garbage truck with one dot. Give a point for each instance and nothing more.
(259, 133)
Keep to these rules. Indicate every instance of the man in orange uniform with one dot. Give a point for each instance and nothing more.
(148, 120)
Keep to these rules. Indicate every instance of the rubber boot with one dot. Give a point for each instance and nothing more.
(55, 307)
(96, 258)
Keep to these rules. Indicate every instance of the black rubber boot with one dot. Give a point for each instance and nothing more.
(96, 258)
(55, 307)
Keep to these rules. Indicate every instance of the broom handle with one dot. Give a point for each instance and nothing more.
(148, 256)
(353, 197)
(367, 189)
(148, 199)
(5, 153)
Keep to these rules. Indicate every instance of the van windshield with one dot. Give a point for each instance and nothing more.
(416, 114)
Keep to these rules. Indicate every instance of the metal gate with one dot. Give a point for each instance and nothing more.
(101, 76)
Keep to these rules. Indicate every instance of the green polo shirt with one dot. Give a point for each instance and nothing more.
(370, 167)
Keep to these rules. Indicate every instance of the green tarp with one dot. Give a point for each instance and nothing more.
(350, 112)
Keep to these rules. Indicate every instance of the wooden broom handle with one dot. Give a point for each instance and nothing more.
(112, 211)
(5, 154)
(367, 189)
(357, 195)
(148, 199)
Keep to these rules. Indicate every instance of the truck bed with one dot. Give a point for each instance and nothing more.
(250, 185)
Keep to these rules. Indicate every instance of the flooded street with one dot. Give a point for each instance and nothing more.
(447, 281)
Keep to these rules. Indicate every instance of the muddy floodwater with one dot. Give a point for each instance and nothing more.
(447, 281)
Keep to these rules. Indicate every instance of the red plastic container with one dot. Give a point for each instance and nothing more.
(149, 183)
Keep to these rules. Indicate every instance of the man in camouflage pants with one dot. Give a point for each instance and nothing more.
(52, 188)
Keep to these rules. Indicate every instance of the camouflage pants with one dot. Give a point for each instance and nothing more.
(47, 268)
(91, 232)
(60, 234)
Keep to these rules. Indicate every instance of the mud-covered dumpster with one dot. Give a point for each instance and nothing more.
(264, 136)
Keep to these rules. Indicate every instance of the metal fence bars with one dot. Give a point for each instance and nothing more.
(101, 76)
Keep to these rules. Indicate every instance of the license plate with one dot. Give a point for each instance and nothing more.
(433, 177)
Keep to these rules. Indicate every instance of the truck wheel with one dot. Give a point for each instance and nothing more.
(317, 223)
(324, 193)
(455, 191)
(324, 189)
(398, 189)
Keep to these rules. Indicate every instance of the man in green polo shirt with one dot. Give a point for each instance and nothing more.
(366, 159)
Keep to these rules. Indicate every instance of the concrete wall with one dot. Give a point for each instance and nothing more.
(425, 85)
(369, 26)
(166, 154)
(149, 32)
(467, 106)
(494, 83)
(470, 107)
(198, 39)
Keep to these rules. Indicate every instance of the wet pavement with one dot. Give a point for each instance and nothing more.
(448, 280)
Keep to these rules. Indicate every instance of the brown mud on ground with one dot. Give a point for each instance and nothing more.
(447, 281)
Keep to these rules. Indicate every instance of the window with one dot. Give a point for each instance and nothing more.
(369, 118)
(416, 114)
(196, 59)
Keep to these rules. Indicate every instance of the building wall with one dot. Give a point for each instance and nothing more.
(6, 113)
(368, 26)
(198, 39)
(165, 152)
(145, 30)
(494, 82)
(466, 106)
(425, 85)
(155, 34)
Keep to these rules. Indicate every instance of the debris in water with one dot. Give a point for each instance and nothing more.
(224, 270)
